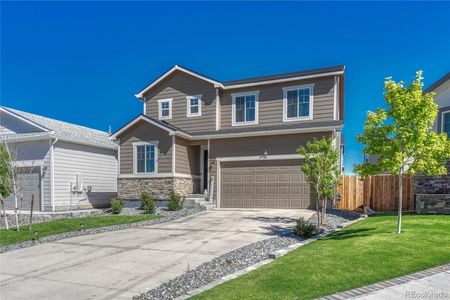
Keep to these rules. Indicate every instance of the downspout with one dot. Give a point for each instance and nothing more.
(52, 173)
(218, 107)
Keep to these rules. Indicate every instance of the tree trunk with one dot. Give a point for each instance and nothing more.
(318, 210)
(400, 202)
(324, 210)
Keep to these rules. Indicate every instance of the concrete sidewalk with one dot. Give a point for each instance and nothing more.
(433, 283)
(432, 287)
(120, 264)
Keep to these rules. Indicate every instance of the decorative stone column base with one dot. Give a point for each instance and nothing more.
(160, 188)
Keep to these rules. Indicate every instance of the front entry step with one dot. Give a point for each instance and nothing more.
(196, 201)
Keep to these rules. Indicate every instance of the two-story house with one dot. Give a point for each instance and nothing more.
(441, 88)
(237, 140)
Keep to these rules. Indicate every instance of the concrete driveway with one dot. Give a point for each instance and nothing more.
(118, 265)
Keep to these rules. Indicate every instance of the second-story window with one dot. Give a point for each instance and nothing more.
(194, 106)
(165, 109)
(245, 108)
(446, 123)
(297, 103)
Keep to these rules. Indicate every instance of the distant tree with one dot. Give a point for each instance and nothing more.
(6, 187)
(322, 172)
(401, 136)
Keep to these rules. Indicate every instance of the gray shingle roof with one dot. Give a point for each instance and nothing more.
(285, 75)
(68, 131)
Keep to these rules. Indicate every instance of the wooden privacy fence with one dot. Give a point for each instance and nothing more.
(379, 192)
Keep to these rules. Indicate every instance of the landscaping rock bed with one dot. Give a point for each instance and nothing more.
(335, 217)
(166, 216)
(236, 260)
(219, 267)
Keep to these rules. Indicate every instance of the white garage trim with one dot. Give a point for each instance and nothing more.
(248, 158)
(260, 157)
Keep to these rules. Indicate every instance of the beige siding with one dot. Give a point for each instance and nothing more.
(144, 132)
(187, 157)
(177, 86)
(97, 168)
(248, 146)
(255, 146)
(270, 110)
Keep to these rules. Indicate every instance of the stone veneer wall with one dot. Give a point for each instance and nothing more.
(433, 184)
(434, 204)
(160, 188)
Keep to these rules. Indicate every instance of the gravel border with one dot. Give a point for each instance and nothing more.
(237, 260)
(335, 217)
(218, 267)
(165, 216)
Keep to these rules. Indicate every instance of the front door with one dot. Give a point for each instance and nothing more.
(205, 170)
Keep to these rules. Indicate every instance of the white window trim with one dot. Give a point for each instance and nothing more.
(233, 113)
(160, 117)
(188, 104)
(150, 143)
(311, 102)
(443, 113)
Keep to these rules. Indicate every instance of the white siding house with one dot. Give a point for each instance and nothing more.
(65, 166)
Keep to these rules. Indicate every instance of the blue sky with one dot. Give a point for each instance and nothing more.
(82, 62)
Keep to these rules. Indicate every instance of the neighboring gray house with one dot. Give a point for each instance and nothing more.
(237, 140)
(65, 166)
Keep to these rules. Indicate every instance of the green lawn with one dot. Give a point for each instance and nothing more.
(361, 254)
(11, 236)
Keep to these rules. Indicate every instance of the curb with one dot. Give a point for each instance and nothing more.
(271, 257)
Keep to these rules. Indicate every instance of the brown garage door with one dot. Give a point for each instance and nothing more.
(264, 184)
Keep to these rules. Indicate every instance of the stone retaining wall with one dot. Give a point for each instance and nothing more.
(434, 204)
(433, 184)
(160, 188)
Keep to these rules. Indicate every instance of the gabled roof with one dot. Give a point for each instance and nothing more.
(61, 130)
(173, 69)
(313, 73)
(438, 83)
(171, 129)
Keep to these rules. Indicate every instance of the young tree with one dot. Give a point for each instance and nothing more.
(6, 187)
(401, 136)
(322, 172)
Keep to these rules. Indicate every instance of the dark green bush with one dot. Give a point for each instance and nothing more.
(148, 203)
(304, 229)
(116, 205)
(174, 202)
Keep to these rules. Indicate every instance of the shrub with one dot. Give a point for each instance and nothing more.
(304, 229)
(116, 205)
(174, 201)
(147, 203)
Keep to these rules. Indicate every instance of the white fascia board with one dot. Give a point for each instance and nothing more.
(28, 163)
(30, 138)
(250, 84)
(175, 68)
(17, 116)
